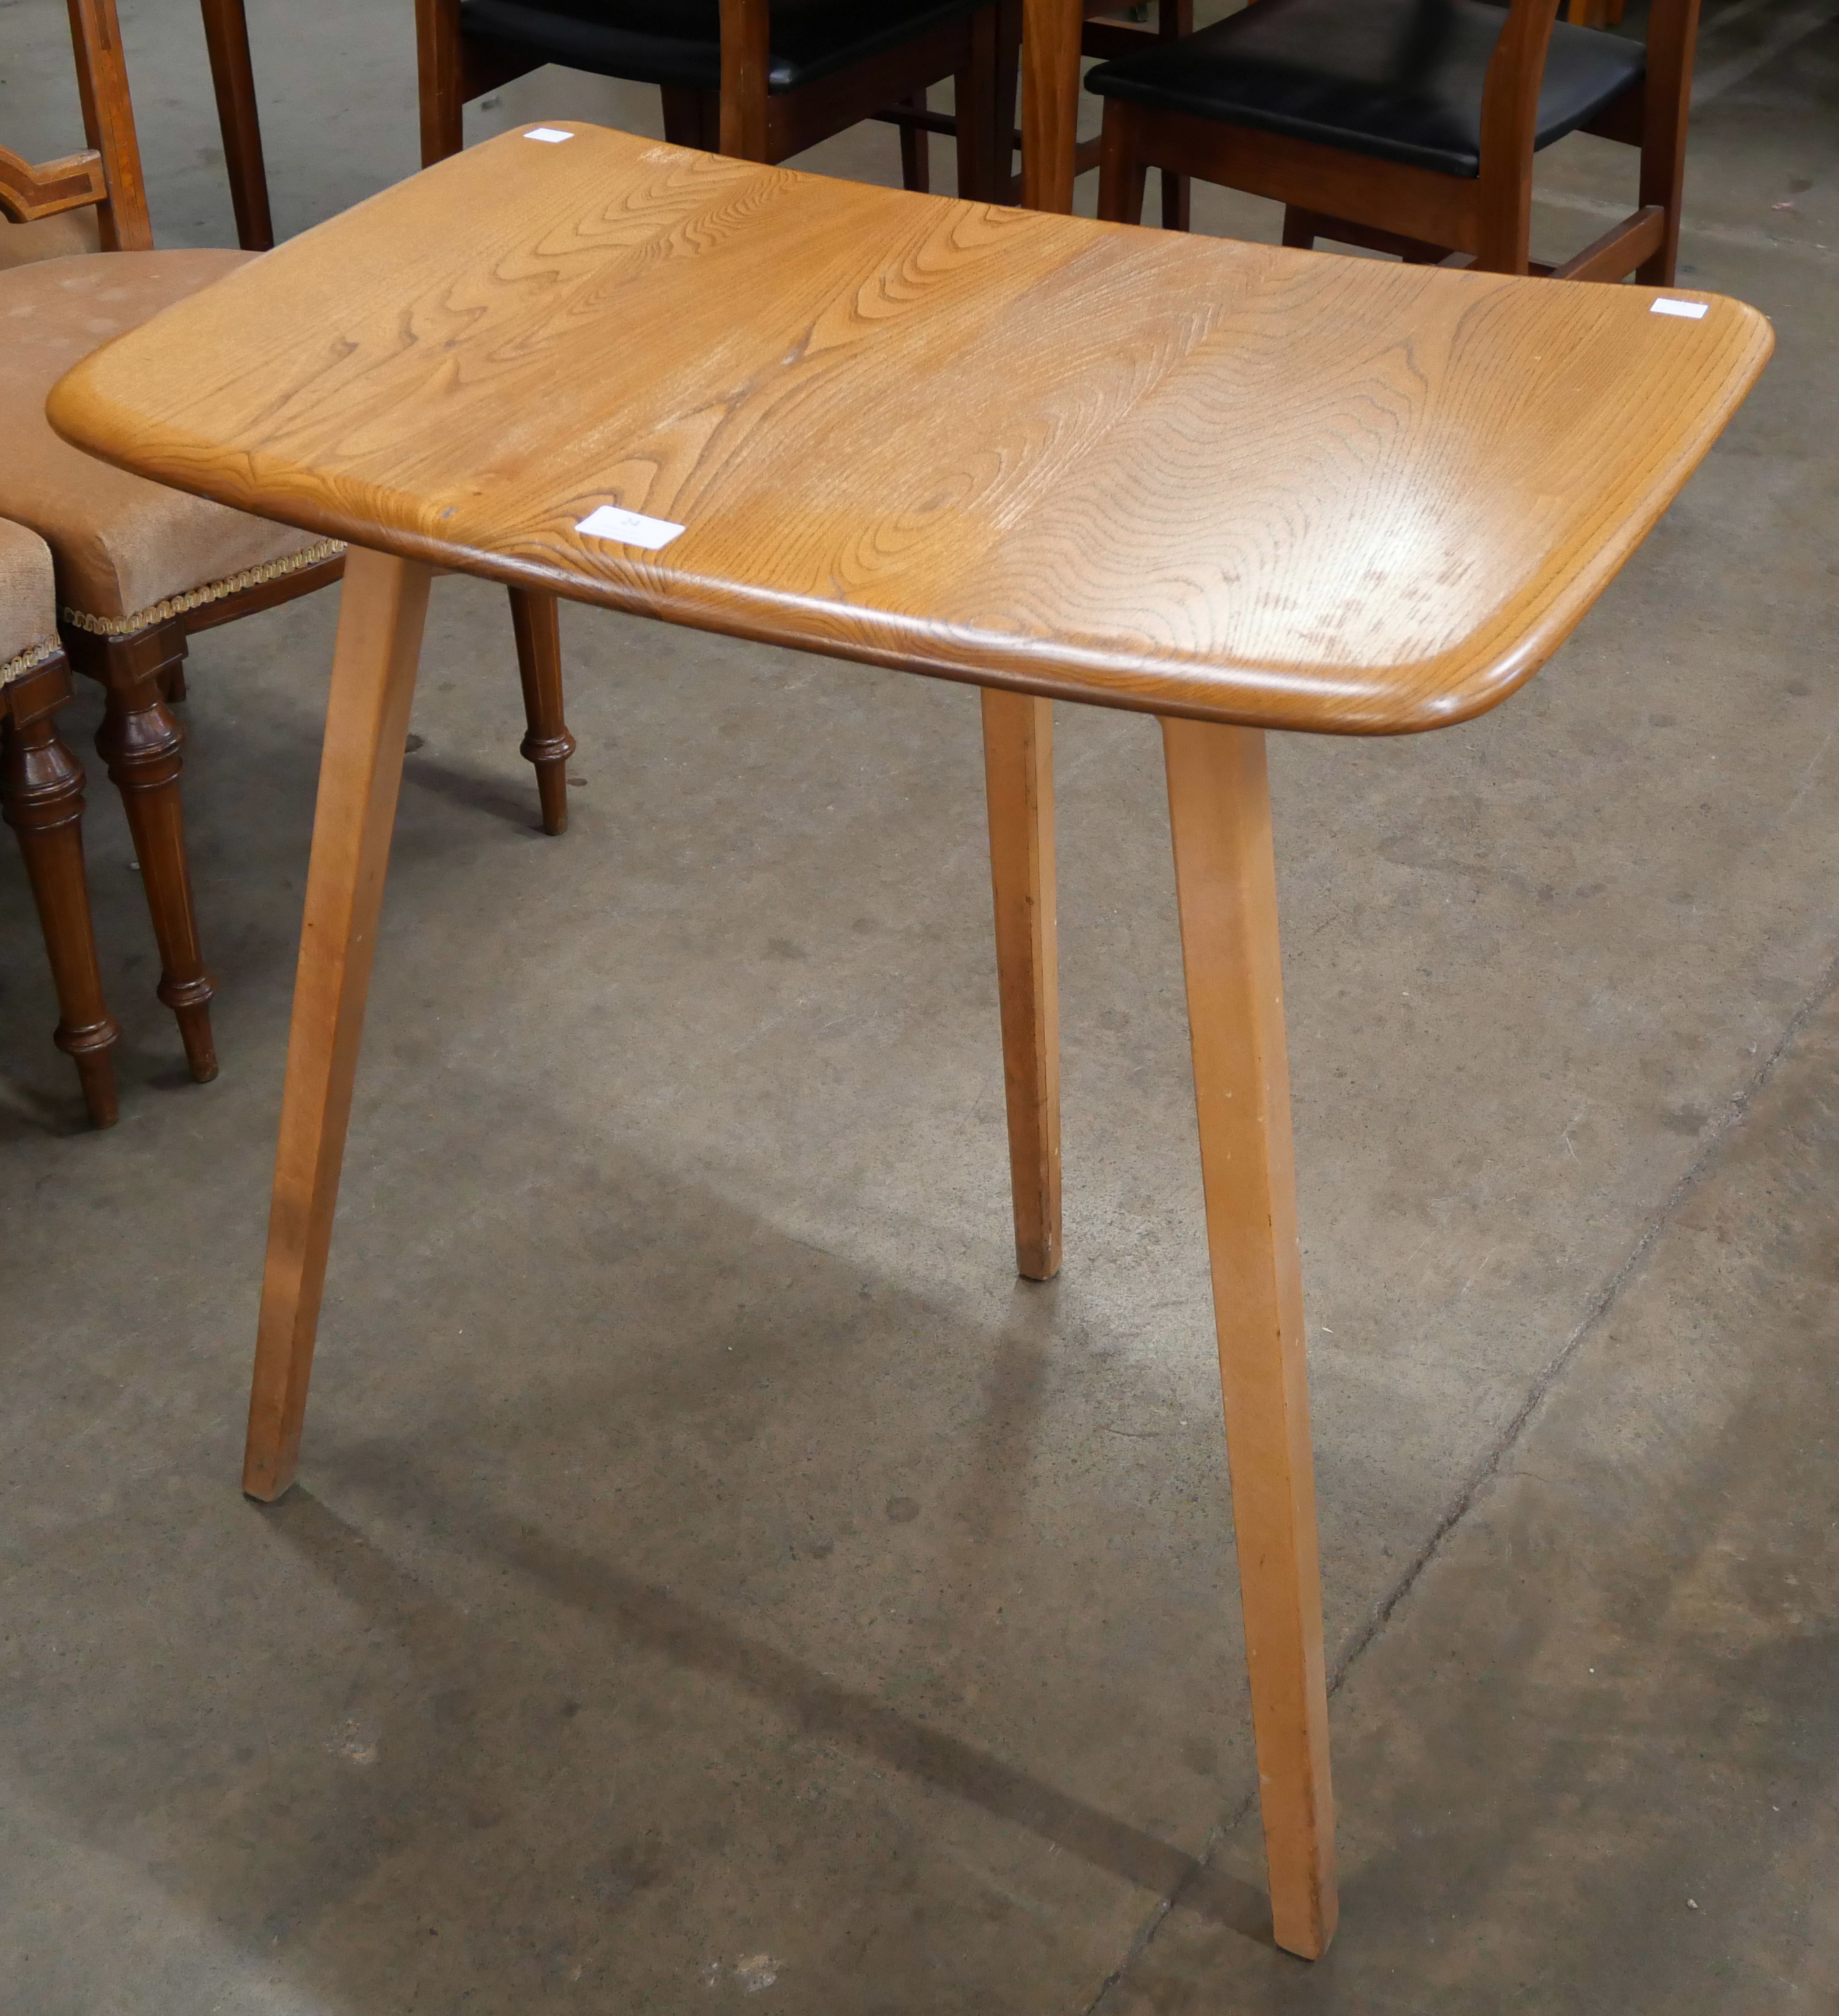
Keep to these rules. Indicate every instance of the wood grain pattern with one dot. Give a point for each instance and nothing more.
(380, 631)
(1219, 811)
(1178, 474)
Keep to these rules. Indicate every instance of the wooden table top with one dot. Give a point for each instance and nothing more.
(1174, 473)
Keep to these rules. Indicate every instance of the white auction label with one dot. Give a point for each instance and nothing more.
(548, 133)
(630, 528)
(1691, 310)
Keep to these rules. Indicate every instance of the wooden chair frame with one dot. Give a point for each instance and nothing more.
(142, 671)
(1392, 207)
(106, 176)
(746, 119)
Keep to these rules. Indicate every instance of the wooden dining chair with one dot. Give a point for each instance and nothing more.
(1408, 126)
(41, 799)
(141, 568)
(758, 79)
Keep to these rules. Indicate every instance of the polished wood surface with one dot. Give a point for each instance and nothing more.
(379, 632)
(1177, 474)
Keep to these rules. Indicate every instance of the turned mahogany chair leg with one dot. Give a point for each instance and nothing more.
(536, 618)
(383, 604)
(232, 78)
(41, 798)
(1018, 775)
(1226, 882)
(142, 746)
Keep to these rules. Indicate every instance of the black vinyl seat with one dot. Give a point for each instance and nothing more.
(1399, 80)
(678, 43)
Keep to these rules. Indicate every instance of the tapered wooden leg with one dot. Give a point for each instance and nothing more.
(1225, 881)
(144, 747)
(41, 795)
(547, 743)
(232, 77)
(1018, 775)
(379, 632)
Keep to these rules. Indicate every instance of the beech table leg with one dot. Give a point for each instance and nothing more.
(536, 618)
(1225, 881)
(1018, 775)
(380, 632)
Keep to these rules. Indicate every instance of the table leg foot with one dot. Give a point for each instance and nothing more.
(1226, 880)
(1018, 775)
(380, 616)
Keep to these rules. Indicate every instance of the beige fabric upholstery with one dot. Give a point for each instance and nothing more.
(59, 237)
(122, 546)
(28, 604)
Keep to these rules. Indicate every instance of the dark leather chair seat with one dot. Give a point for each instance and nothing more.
(1400, 79)
(678, 41)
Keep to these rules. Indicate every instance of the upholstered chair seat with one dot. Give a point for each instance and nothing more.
(678, 43)
(1398, 80)
(129, 553)
(61, 235)
(28, 603)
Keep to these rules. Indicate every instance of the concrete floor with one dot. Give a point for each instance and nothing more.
(714, 1577)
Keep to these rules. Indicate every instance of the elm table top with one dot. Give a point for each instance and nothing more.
(1147, 469)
